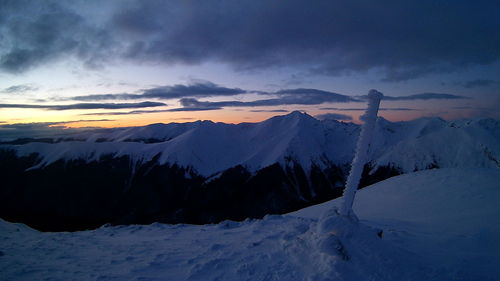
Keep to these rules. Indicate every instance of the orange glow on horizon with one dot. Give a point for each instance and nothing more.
(224, 116)
(81, 118)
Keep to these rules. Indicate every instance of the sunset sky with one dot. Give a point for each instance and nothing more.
(126, 63)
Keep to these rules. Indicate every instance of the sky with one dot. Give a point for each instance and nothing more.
(128, 63)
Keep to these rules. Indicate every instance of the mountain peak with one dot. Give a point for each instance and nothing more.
(294, 117)
(296, 114)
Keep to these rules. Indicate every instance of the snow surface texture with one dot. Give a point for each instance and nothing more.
(437, 225)
(210, 148)
(361, 156)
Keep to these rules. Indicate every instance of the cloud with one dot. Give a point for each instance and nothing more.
(38, 125)
(34, 33)
(154, 111)
(194, 109)
(363, 109)
(40, 129)
(31, 130)
(329, 34)
(184, 118)
(328, 37)
(100, 97)
(423, 96)
(186, 93)
(285, 97)
(206, 89)
(85, 106)
(272, 110)
(474, 108)
(333, 116)
(479, 111)
(199, 89)
(190, 102)
(479, 83)
(85, 120)
(315, 96)
(300, 96)
(18, 89)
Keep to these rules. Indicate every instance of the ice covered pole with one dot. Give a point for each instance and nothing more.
(360, 156)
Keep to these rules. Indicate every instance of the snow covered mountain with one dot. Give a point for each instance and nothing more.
(209, 148)
(439, 224)
(206, 172)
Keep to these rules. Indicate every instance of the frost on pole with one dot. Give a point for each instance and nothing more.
(360, 157)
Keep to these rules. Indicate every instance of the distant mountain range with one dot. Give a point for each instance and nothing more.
(205, 172)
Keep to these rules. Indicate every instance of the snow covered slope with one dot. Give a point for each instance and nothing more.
(210, 148)
(437, 225)
(449, 217)
(432, 142)
(205, 172)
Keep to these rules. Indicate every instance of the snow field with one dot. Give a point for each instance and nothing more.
(437, 225)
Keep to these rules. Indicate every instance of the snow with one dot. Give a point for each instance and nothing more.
(437, 225)
(209, 148)
(449, 217)
(433, 141)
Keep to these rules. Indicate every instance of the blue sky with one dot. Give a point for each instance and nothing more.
(124, 63)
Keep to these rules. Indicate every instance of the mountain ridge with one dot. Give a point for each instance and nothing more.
(210, 148)
(206, 172)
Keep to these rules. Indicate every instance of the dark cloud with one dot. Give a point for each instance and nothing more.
(100, 97)
(403, 39)
(200, 89)
(191, 102)
(206, 89)
(479, 83)
(194, 108)
(40, 129)
(38, 125)
(86, 120)
(363, 109)
(334, 116)
(37, 32)
(18, 89)
(209, 89)
(29, 130)
(153, 111)
(85, 106)
(285, 97)
(475, 108)
(315, 96)
(121, 113)
(425, 96)
(184, 118)
(338, 36)
(491, 110)
(272, 110)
